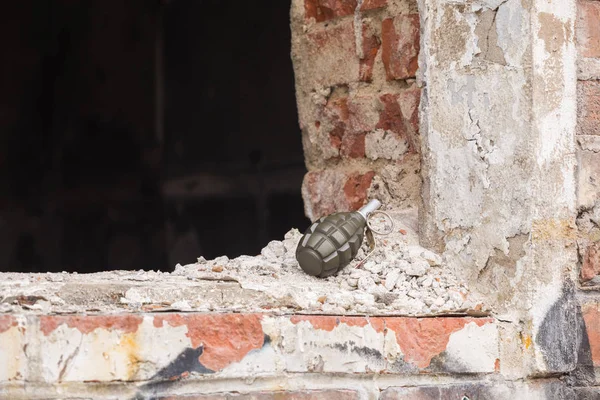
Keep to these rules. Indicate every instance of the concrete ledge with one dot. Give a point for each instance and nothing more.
(166, 346)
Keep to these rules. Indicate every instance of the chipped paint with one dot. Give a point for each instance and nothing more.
(225, 338)
(233, 346)
(85, 324)
(328, 323)
(12, 355)
(422, 339)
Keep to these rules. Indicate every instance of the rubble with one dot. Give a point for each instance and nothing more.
(398, 278)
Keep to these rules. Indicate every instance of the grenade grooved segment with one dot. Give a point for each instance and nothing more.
(331, 243)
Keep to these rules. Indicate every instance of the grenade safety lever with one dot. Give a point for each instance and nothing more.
(330, 243)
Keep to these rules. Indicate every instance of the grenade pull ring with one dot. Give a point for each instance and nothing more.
(330, 243)
(389, 228)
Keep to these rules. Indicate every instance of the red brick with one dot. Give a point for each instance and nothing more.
(409, 100)
(391, 118)
(348, 120)
(329, 55)
(591, 262)
(353, 146)
(591, 317)
(400, 46)
(356, 188)
(588, 113)
(339, 394)
(332, 190)
(336, 116)
(370, 47)
(373, 4)
(400, 115)
(588, 28)
(324, 10)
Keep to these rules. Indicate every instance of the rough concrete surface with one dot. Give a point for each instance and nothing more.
(399, 278)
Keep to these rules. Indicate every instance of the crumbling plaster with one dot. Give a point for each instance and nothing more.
(498, 149)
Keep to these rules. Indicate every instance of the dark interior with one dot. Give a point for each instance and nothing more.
(139, 134)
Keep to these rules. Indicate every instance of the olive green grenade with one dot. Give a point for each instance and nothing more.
(332, 242)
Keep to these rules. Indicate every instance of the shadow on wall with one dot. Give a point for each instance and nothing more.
(140, 134)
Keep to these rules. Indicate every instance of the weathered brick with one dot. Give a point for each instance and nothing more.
(588, 185)
(391, 119)
(588, 28)
(330, 57)
(333, 118)
(323, 10)
(591, 262)
(328, 191)
(400, 46)
(591, 317)
(370, 47)
(340, 394)
(409, 100)
(386, 124)
(355, 188)
(588, 114)
(373, 4)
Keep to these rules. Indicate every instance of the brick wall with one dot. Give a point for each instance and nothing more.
(355, 65)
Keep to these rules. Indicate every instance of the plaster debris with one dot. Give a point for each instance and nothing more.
(398, 278)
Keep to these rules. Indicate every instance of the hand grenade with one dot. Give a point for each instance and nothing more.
(332, 242)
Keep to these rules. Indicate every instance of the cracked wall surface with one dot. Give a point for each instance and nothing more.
(498, 124)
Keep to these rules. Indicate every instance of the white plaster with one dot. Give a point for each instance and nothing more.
(12, 357)
(473, 349)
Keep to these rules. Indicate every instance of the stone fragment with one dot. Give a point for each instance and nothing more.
(433, 259)
(367, 284)
(273, 251)
(391, 278)
(417, 268)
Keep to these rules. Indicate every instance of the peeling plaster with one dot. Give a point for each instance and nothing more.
(498, 150)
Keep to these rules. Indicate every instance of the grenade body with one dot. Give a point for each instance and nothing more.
(331, 243)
